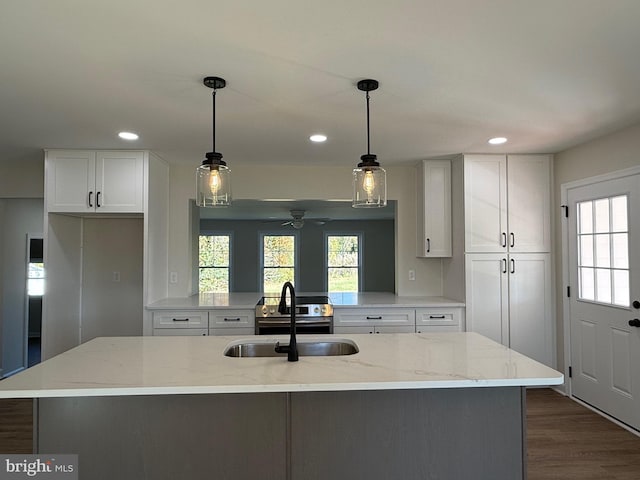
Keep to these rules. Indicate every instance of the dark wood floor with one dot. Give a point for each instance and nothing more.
(565, 440)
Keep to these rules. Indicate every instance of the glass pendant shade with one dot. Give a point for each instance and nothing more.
(213, 185)
(369, 187)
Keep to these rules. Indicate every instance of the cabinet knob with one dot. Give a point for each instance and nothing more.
(636, 304)
(634, 323)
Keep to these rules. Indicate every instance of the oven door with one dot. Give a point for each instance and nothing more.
(277, 326)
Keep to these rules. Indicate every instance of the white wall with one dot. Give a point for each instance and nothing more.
(609, 153)
(300, 183)
(20, 217)
(22, 177)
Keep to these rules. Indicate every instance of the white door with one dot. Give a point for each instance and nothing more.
(530, 313)
(485, 203)
(604, 277)
(529, 194)
(487, 295)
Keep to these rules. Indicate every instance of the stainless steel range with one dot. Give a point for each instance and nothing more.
(314, 314)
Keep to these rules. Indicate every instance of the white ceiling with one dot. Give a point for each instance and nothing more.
(547, 74)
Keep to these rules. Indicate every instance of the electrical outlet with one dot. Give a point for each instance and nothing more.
(173, 277)
(115, 276)
(412, 274)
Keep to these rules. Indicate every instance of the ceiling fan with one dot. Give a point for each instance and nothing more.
(297, 220)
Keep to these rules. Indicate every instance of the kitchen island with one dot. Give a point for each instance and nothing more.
(405, 406)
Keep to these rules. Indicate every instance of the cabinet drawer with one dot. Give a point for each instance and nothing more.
(191, 332)
(181, 319)
(232, 318)
(373, 316)
(438, 316)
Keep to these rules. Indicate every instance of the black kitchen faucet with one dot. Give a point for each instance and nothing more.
(292, 349)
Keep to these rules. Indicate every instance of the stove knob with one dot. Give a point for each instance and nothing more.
(264, 310)
(272, 310)
(316, 310)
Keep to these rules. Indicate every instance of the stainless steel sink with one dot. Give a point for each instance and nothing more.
(315, 348)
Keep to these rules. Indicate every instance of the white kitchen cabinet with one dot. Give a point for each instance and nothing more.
(507, 203)
(508, 299)
(232, 322)
(438, 320)
(374, 320)
(181, 320)
(434, 209)
(85, 181)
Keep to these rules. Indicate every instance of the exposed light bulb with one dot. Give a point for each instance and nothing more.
(214, 181)
(369, 183)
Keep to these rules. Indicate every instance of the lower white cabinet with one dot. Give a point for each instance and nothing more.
(508, 299)
(232, 322)
(374, 320)
(438, 320)
(181, 320)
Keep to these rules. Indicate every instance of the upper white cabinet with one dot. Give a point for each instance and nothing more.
(83, 181)
(507, 203)
(434, 209)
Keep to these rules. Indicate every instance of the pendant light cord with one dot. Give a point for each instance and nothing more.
(213, 130)
(368, 141)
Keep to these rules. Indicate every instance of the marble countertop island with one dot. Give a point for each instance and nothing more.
(196, 365)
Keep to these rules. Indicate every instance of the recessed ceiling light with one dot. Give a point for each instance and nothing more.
(497, 140)
(128, 135)
(318, 138)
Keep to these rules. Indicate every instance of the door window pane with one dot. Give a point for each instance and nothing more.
(603, 242)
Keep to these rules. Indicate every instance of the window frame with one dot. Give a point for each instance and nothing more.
(216, 233)
(360, 236)
(296, 254)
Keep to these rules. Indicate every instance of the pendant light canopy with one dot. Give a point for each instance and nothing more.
(369, 179)
(213, 176)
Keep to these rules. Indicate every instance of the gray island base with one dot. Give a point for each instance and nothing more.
(443, 433)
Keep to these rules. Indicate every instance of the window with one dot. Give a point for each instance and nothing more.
(35, 279)
(343, 263)
(213, 263)
(278, 261)
(603, 251)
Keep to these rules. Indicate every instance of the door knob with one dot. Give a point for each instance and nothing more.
(636, 304)
(634, 323)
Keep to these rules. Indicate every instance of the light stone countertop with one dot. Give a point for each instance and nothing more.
(209, 301)
(196, 365)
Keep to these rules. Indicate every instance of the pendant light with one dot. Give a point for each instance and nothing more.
(213, 176)
(369, 179)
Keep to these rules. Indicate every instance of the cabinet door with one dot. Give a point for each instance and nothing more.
(70, 181)
(434, 209)
(530, 317)
(485, 203)
(529, 191)
(120, 182)
(487, 293)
